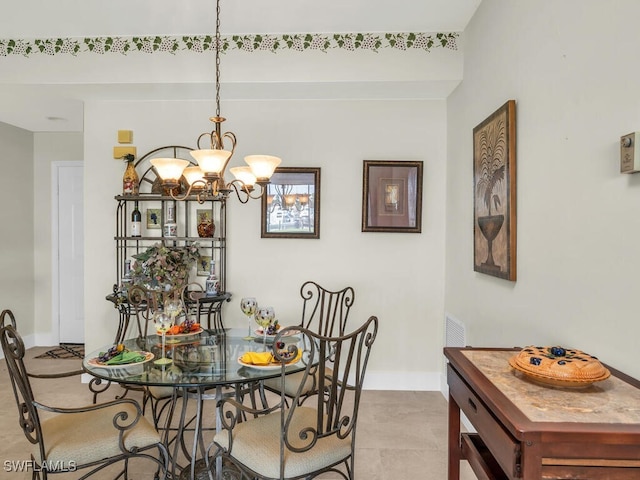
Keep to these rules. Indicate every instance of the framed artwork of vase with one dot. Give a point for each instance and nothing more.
(291, 204)
(494, 199)
(392, 196)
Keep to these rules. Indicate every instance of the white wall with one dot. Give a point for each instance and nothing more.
(569, 66)
(398, 277)
(16, 227)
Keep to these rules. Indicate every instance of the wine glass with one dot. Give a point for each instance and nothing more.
(163, 323)
(248, 305)
(264, 317)
(172, 308)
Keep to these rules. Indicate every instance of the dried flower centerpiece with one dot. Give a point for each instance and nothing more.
(164, 268)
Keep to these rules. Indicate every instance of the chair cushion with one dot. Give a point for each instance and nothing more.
(90, 436)
(256, 444)
(292, 383)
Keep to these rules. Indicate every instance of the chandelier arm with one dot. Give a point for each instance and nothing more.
(240, 186)
(178, 197)
(196, 184)
(241, 193)
(215, 141)
(232, 137)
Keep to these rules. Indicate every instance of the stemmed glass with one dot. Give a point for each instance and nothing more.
(264, 317)
(172, 307)
(248, 305)
(163, 323)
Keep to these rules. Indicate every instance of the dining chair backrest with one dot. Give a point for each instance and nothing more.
(297, 440)
(14, 351)
(325, 311)
(145, 303)
(7, 318)
(339, 364)
(72, 443)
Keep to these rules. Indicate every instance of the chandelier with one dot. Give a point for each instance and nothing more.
(206, 180)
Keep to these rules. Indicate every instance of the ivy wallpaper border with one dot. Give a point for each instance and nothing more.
(249, 43)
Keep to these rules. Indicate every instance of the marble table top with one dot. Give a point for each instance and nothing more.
(608, 401)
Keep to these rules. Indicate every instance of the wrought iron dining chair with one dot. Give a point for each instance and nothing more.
(8, 318)
(302, 441)
(91, 437)
(325, 312)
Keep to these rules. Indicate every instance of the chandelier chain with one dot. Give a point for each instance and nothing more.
(218, 45)
(207, 180)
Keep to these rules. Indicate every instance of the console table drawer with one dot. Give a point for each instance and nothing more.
(504, 448)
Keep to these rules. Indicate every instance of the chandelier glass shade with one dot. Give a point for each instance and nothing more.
(207, 179)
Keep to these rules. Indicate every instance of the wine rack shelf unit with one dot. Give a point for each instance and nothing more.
(153, 201)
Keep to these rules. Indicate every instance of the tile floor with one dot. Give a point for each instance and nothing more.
(401, 434)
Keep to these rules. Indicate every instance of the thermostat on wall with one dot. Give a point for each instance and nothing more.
(630, 153)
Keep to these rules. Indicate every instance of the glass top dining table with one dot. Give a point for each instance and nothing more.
(197, 366)
(207, 358)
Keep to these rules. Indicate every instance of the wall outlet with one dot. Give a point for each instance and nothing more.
(119, 152)
(630, 153)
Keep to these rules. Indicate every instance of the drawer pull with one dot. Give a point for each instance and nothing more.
(473, 405)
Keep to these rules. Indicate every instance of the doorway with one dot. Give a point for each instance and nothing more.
(68, 254)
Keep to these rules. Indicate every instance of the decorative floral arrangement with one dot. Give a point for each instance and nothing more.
(160, 265)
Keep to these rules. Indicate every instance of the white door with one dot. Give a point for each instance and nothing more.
(70, 253)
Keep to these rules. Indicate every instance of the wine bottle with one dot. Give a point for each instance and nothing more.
(213, 284)
(130, 180)
(136, 222)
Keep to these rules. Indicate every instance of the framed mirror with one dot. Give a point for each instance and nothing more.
(291, 204)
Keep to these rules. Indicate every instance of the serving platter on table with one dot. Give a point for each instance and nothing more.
(270, 366)
(270, 336)
(182, 336)
(95, 362)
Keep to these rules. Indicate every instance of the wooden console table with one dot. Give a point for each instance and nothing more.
(529, 431)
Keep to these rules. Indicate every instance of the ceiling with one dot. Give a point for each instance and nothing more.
(30, 101)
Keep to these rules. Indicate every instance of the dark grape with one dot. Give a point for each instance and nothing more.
(109, 354)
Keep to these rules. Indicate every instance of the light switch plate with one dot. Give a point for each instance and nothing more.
(119, 152)
(630, 153)
(125, 136)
